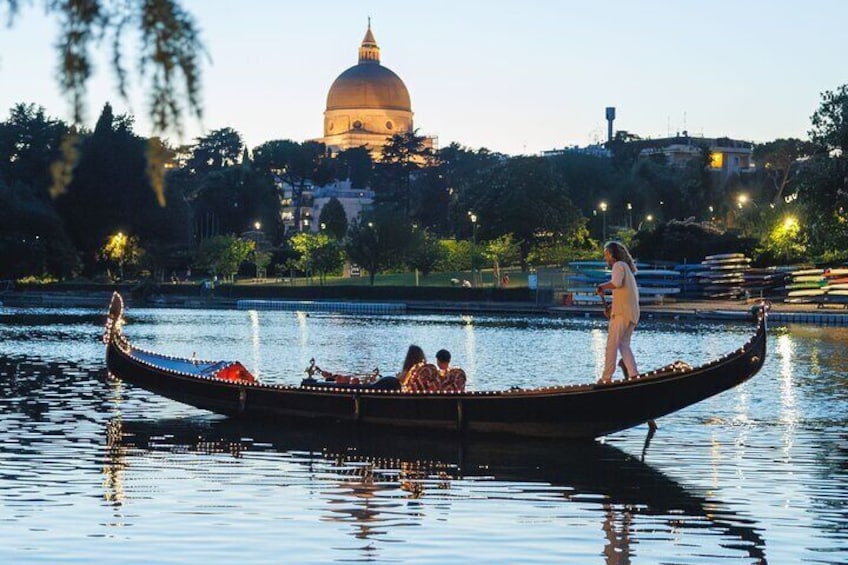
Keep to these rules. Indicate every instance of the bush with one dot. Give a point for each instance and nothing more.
(688, 240)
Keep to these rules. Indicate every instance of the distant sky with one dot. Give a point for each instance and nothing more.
(517, 77)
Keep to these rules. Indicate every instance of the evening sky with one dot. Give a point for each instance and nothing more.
(515, 77)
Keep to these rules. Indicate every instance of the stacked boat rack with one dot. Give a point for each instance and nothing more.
(727, 276)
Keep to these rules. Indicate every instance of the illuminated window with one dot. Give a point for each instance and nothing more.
(716, 160)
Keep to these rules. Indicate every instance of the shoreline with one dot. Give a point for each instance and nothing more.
(781, 312)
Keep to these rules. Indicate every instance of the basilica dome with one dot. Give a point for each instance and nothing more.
(367, 104)
(368, 85)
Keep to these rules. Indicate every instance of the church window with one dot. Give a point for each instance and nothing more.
(388, 125)
(357, 125)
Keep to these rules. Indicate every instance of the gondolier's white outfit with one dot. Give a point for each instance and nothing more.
(623, 319)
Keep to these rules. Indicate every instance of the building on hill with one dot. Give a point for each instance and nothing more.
(595, 150)
(728, 157)
(314, 198)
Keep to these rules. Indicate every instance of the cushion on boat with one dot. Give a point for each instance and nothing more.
(422, 377)
(428, 378)
(235, 372)
(454, 380)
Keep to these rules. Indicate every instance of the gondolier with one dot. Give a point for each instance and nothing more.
(624, 312)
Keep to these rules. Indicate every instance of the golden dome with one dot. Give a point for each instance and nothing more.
(368, 84)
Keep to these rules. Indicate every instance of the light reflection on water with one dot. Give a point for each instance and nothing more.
(92, 470)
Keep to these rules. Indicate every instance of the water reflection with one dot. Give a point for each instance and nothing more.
(373, 480)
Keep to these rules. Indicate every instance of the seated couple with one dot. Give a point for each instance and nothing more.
(419, 376)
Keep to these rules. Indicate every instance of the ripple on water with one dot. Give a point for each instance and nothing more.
(93, 470)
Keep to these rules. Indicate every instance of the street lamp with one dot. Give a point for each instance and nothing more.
(473, 217)
(257, 226)
(649, 218)
(603, 207)
(630, 215)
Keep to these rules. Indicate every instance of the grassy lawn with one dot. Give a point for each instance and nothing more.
(517, 279)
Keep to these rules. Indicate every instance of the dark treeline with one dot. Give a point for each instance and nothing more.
(86, 203)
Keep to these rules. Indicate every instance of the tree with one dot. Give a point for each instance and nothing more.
(261, 259)
(455, 255)
(830, 121)
(403, 155)
(318, 253)
(219, 149)
(781, 161)
(502, 251)
(456, 172)
(378, 240)
(688, 240)
(523, 196)
(110, 192)
(785, 242)
(425, 251)
(223, 254)
(356, 165)
(33, 240)
(168, 42)
(295, 164)
(122, 250)
(30, 142)
(822, 185)
(591, 179)
(823, 193)
(333, 218)
(624, 149)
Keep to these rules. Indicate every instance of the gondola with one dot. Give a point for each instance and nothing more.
(584, 411)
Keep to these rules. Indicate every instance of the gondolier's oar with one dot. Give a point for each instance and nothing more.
(604, 304)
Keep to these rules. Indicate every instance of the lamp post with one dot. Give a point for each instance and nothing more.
(603, 207)
(257, 226)
(473, 217)
(649, 218)
(742, 201)
(630, 215)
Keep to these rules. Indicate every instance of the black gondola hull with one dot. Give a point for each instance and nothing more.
(575, 412)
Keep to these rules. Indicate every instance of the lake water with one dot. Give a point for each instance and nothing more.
(95, 471)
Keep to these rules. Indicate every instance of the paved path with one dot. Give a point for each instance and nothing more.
(734, 309)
